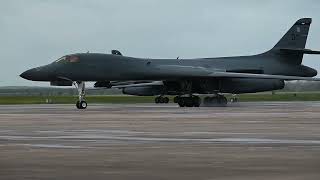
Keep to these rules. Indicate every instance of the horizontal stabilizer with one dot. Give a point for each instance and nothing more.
(299, 51)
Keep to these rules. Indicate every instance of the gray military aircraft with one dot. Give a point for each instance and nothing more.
(184, 78)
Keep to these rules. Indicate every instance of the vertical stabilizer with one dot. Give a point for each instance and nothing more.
(297, 36)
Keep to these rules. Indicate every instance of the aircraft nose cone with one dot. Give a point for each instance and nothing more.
(314, 73)
(27, 74)
(36, 74)
(311, 72)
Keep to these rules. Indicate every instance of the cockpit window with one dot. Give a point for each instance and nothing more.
(61, 59)
(71, 59)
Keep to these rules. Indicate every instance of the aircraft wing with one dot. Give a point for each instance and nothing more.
(201, 72)
(301, 51)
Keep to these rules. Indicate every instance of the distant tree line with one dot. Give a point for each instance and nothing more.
(301, 86)
(52, 91)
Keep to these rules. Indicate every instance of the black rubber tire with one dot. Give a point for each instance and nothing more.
(83, 105)
(181, 102)
(161, 99)
(157, 100)
(78, 105)
(188, 101)
(176, 99)
(166, 100)
(222, 100)
(196, 101)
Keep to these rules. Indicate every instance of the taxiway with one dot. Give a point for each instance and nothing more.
(269, 140)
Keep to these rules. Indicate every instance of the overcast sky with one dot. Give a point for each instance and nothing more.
(37, 32)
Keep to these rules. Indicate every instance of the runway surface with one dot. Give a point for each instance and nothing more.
(276, 140)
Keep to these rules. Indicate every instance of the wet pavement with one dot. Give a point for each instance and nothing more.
(267, 140)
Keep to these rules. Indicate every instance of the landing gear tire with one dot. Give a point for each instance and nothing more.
(218, 100)
(176, 99)
(222, 100)
(157, 100)
(188, 102)
(181, 102)
(166, 100)
(234, 100)
(81, 103)
(78, 104)
(192, 101)
(161, 100)
(196, 101)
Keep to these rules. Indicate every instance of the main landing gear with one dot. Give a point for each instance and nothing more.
(161, 100)
(189, 101)
(234, 98)
(81, 103)
(195, 101)
(217, 100)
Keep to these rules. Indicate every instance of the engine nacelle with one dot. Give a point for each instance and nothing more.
(60, 83)
(242, 85)
(143, 90)
(230, 85)
(103, 84)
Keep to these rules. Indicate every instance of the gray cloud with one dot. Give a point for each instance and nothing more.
(36, 32)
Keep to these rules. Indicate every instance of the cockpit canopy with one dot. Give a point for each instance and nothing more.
(68, 58)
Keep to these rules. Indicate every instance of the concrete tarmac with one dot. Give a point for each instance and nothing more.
(265, 140)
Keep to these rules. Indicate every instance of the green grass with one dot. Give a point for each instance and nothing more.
(314, 96)
(281, 97)
(73, 99)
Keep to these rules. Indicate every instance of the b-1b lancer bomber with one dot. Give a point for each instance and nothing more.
(186, 79)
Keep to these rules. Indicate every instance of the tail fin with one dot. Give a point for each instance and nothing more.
(291, 46)
(297, 36)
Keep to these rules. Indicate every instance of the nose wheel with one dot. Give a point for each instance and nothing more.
(81, 103)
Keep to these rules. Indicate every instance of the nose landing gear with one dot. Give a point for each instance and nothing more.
(81, 103)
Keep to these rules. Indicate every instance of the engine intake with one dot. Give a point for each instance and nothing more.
(60, 83)
(103, 84)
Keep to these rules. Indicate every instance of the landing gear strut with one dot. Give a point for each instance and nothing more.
(190, 101)
(161, 100)
(234, 98)
(81, 103)
(187, 101)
